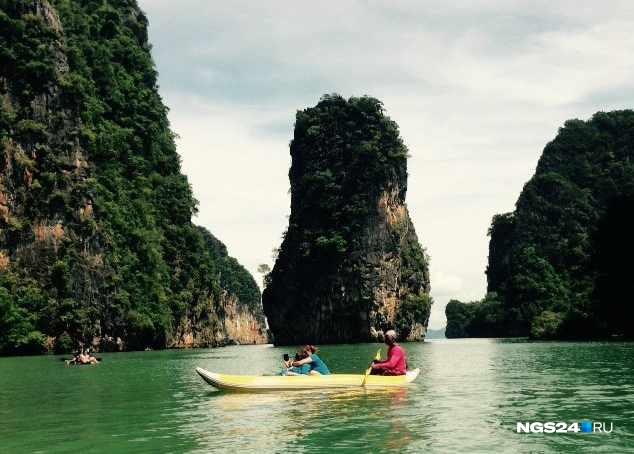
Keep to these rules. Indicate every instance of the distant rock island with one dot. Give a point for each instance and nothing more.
(560, 264)
(350, 265)
(96, 240)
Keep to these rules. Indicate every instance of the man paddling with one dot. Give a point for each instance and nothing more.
(396, 362)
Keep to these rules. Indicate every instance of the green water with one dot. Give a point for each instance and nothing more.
(468, 398)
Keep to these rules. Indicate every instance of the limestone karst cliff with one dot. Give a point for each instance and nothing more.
(350, 265)
(96, 239)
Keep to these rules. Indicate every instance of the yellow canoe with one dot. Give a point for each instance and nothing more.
(251, 383)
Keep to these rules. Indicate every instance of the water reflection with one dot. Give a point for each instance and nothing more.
(301, 420)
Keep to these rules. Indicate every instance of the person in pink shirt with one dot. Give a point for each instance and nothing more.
(396, 362)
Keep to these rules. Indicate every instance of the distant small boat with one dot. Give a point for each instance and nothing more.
(251, 383)
(75, 362)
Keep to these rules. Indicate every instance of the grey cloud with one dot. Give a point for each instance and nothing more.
(611, 98)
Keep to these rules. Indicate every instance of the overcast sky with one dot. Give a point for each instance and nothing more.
(477, 88)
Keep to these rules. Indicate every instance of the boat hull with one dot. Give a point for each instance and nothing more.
(253, 383)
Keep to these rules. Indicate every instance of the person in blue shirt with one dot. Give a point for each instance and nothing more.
(317, 365)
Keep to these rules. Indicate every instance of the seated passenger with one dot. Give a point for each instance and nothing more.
(87, 358)
(297, 370)
(317, 365)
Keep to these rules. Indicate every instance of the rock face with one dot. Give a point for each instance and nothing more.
(238, 325)
(96, 240)
(559, 264)
(350, 265)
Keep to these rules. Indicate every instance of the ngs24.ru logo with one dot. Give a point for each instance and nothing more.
(563, 428)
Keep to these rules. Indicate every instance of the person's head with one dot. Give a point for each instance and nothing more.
(390, 337)
(310, 349)
(301, 354)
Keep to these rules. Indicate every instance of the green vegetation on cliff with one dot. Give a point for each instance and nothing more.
(350, 265)
(477, 319)
(96, 239)
(560, 262)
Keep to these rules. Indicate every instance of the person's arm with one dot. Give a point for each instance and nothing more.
(396, 354)
(381, 361)
(301, 362)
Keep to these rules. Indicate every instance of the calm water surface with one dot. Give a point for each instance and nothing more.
(468, 398)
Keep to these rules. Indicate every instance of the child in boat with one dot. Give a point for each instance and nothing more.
(299, 370)
(317, 365)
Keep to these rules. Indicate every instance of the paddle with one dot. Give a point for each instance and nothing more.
(377, 357)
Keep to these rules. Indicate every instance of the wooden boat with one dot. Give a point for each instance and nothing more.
(251, 383)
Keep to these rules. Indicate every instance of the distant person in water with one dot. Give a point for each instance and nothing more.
(317, 365)
(396, 362)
